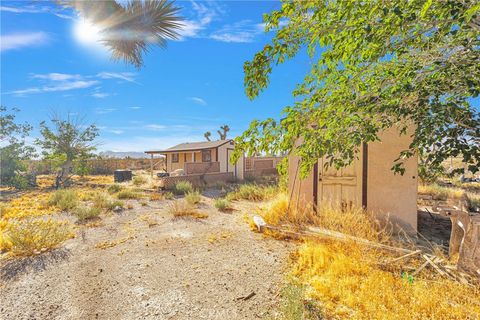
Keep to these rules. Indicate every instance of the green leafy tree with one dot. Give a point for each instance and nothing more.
(67, 142)
(374, 64)
(127, 29)
(13, 149)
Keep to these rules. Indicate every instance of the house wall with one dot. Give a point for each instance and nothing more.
(225, 165)
(187, 157)
(389, 193)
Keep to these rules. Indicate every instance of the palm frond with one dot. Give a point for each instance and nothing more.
(129, 30)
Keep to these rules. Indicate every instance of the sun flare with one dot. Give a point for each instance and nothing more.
(85, 32)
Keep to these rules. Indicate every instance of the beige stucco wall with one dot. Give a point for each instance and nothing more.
(390, 193)
(300, 190)
(387, 193)
(226, 165)
(186, 157)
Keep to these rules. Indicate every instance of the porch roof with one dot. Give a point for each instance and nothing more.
(191, 146)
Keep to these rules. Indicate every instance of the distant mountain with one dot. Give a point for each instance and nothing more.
(122, 155)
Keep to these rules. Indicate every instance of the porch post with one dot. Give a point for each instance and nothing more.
(151, 165)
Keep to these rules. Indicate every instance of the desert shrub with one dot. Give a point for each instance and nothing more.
(182, 187)
(129, 194)
(65, 199)
(193, 197)
(143, 203)
(114, 188)
(115, 204)
(85, 212)
(181, 208)
(101, 200)
(223, 204)
(32, 236)
(253, 192)
(168, 196)
(156, 197)
(139, 180)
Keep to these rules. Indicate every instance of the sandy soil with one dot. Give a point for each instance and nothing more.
(152, 267)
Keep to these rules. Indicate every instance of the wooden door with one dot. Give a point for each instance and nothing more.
(340, 188)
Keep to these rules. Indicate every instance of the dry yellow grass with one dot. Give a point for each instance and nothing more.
(181, 208)
(349, 281)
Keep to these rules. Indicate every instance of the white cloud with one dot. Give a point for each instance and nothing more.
(104, 110)
(199, 101)
(126, 76)
(54, 81)
(21, 40)
(56, 76)
(241, 32)
(135, 108)
(63, 86)
(155, 127)
(35, 9)
(100, 95)
(203, 14)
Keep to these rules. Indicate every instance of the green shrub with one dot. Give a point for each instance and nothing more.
(114, 188)
(253, 192)
(223, 204)
(65, 199)
(193, 197)
(84, 212)
(101, 200)
(168, 196)
(115, 203)
(139, 180)
(129, 194)
(182, 187)
(181, 208)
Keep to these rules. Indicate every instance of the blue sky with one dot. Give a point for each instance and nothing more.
(193, 86)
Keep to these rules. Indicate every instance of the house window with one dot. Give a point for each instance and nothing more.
(206, 156)
(174, 157)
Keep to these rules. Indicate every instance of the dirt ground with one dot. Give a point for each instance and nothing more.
(144, 264)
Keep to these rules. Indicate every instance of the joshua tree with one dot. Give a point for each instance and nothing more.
(207, 135)
(129, 29)
(223, 135)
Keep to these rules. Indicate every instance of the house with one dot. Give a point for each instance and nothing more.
(369, 182)
(202, 158)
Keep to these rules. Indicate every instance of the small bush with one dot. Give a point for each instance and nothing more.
(156, 197)
(114, 188)
(182, 187)
(32, 236)
(101, 200)
(253, 192)
(223, 204)
(84, 212)
(129, 206)
(139, 180)
(168, 196)
(64, 199)
(114, 204)
(129, 194)
(143, 203)
(193, 198)
(181, 208)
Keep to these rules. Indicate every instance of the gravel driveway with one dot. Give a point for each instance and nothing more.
(144, 264)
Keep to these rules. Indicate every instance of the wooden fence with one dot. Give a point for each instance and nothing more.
(99, 166)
